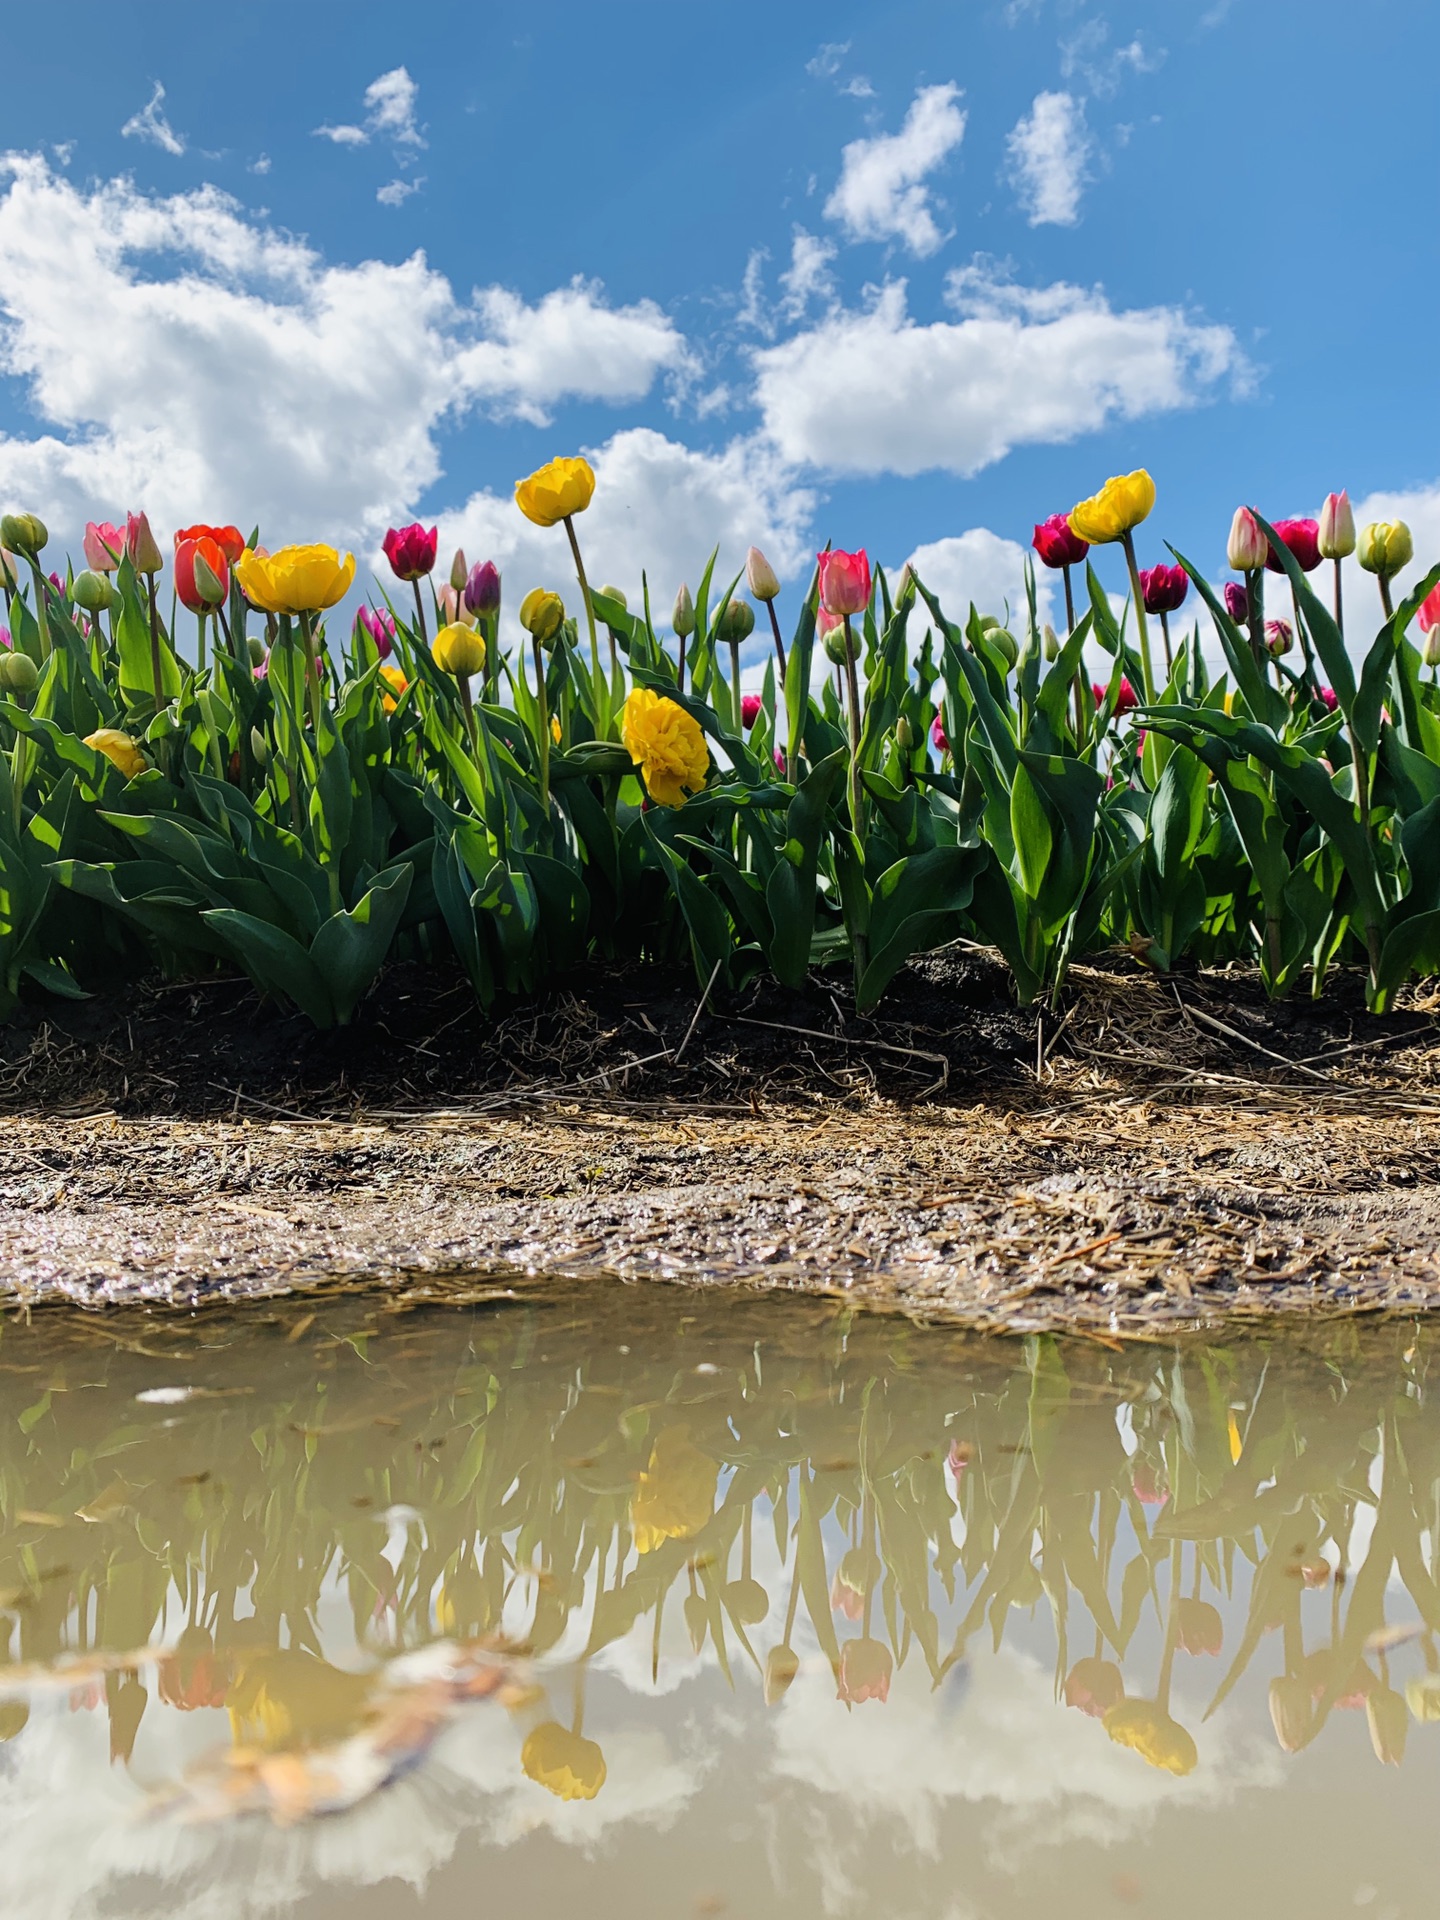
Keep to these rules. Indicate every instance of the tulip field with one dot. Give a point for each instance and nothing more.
(199, 772)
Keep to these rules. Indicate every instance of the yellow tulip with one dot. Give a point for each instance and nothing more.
(296, 579)
(397, 683)
(667, 746)
(675, 1495)
(1145, 1726)
(1385, 547)
(555, 491)
(458, 649)
(1121, 504)
(564, 1763)
(543, 614)
(119, 749)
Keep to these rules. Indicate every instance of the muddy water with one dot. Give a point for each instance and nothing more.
(650, 1603)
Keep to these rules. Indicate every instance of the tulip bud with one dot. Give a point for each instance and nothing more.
(459, 572)
(1384, 547)
(834, 642)
(9, 571)
(90, 591)
(737, 623)
(1430, 648)
(760, 576)
(1247, 547)
(25, 533)
(1389, 1724)
(1337, 527)
(208, 585)
(683, 617)
(1237, 602)
(1291, 1712)
(482, 589)
(696, 1620)
(141, 545)
(1002, 638)
(1279, 638)
(259, 745)
(781, 1666)
(257, 650)
(904, 734)
(458, 649)
(614, 593)
(1051, 642)
(543, 615)
(19, 676)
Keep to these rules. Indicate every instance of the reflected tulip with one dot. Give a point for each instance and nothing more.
(192, 1677)
(14, 1716)
(1094, 1686)
(781, 1666)
(856, 1576)
(1291, 1712)
(286, 1697)
(1199, 1628)
(564, 1763)
(697, 1621)
(747, 1601)
(865, 1669)
(1389, 1724)
(675, 1495)
(1146, 1728)
(1422, 1696)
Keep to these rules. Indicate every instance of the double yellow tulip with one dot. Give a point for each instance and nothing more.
(296, 579)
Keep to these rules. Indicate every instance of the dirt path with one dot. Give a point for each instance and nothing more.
(1155, 1154)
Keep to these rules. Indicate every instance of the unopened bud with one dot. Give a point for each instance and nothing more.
(737, 623)
(1247, 547)
(1336, 534)
(760, 576)
(459, 572)
(834, 643)
(781, 1666)
(1385, 546)
(614, 593)
(1051, 641)
(259, 745)
(543, 615)
(209, 587)
(19, 675)
(141, 545)
(683, 617)
(24, 533)
(904, 734)
(257, 650)
(90, 591)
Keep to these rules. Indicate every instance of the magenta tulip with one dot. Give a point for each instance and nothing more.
(411, 551)
(1163, 588)
(1125, 700)
(844, 582)
(1056, 545)
(1237, 602)
(1302, 537)
(482, 589)
(751, 706)
(937, 734)
(379, 623)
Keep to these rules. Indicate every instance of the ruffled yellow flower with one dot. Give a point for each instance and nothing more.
(119, 749)
(555, 491)
(458, 649)
(296, 579)
(1121, 504)
(1161, 1742)
(397, 683)
(667, 746)
(564, 1763)
(675, 1495)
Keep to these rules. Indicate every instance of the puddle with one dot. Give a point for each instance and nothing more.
(675, 1604)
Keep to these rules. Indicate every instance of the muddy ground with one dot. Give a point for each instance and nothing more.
(1150, 1152)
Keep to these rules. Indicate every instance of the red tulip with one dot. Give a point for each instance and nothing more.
(1429, 614)
(1302, 537)
(937, 734)
(844, 582)
(411, 550)
(202, 573)
(1163, 588)
(750, 706)
(1125, 700)
(1056, 545)
(230, 540)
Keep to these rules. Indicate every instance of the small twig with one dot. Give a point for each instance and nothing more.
(699, 1008)
(839, 1040)
(1234, 1033)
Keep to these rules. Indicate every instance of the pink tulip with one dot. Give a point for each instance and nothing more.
(1429, 614)
(141, 544)
(937, 734)
(750, 709)
(380, 625)
(844, 582)
(103, 545)
(1125, 700)
(1329, 698)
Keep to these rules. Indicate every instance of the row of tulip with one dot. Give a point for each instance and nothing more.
(302, 806)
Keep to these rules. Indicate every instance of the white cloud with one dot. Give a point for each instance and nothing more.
(659, 508)
(808, 276)
(881, 193)
(64, 151)
(1020, 367)
(396, 192)
(217, 369)
(1088, 56)
(753, 312)
(260, 164)
(391, 101)
(826, 63)
(1048, 150)
(983, 568)
(150, 124)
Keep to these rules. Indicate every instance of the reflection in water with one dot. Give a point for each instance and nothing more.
(294, 1538)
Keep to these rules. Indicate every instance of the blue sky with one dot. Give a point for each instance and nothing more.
(908, 277)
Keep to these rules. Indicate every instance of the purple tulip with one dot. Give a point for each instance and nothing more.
(379, 623)
(1237, 602)
(482, 589)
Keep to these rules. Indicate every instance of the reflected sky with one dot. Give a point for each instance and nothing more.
(692, 1603)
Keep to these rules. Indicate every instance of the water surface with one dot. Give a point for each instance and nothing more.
(659, 1603)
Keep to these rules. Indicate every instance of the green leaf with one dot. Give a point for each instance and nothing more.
(276, 963)
(350, 948)
(917, 904)
(790, 891)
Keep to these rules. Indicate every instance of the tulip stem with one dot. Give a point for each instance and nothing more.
(312, 675)
(1385, 601)
(200, 642)
(468, 708)
(420, 614)
(155, 679)
(1255, 608)
(42, 612)
(779, 643)
(1339, 599)
(1069, 601)
(542, 699)
(1165, 639)
(735, 705)
(1147, 670)
(585, 596)
(852, 682)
